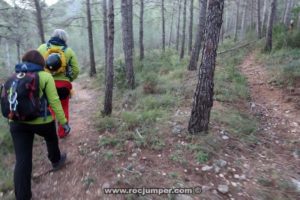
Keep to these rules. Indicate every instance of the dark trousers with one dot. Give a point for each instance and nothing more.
(23, 135)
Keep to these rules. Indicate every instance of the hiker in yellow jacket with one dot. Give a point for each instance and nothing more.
(23, 132)
(63, 65)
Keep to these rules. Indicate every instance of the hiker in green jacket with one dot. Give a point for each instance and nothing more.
(62, 63)
(23, 132)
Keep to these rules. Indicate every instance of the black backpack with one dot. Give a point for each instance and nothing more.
(20, 99)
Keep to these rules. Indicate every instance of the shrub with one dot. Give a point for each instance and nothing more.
(150, 83)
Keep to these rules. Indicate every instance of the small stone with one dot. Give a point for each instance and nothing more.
(177, 129)
(296, 154)
(234, 184)
(296, 183)
(130, 158)
(243, 177)
(206, 168)
(105, 185)
(217, 169)
(134, 155)
(164, 174)
(206, 188)
(236, 176)
(183, 197)
(233, 170)
(225, 137)
(1, 194)
(159, 155)
(215, 192)
(141, 168)
(221, 175)
(144, 158)
(221, 163)
(197, 169)
(246, 166)
(185, 171)
(224, 189)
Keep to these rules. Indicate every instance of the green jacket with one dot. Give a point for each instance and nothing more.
(70, 58)
(47, 84)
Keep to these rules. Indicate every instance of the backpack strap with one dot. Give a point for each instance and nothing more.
(63, 49)
(1, 88)
(44, 102)
(12, 98)
(69, 72)
(48, 45)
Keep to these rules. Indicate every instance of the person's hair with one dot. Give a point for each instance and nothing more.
(61, 34)
(34, 56)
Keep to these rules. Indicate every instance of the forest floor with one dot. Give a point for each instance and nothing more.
(267, 168)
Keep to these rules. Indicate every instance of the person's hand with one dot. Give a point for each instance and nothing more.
(67, 128)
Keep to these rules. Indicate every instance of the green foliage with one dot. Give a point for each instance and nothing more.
(178, 157)
(6, 145)
(150, 83)
(131, 119)
(240, 124)
(120, 74)
(109, 141)
(107, 123)
(165, 101)
(284, 65)
(283, 38)
(202, 157)
(230, 84)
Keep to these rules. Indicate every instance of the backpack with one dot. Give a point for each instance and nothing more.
(20, 99)
(63, 61)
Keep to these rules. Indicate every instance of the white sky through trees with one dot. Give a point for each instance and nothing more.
(48, 2)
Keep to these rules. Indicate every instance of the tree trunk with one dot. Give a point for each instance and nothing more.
(127, 31)
(199, 37)
(203, 97)
(142, 55)
(265, 15)
(104, 8)
(172, 22)
(237, 20)
(191, 26)
(91, 42)
(7, 51)
(39, 20)
(252, 14)
(244, 23)
(183, 31)
(178, 26)
(18, 51)
(286, 4)
(268, 46)
(110, 61)
(258, 25)
(287, 14)
(163, 25)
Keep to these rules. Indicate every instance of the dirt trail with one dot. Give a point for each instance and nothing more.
(276, 160)
(72, 181)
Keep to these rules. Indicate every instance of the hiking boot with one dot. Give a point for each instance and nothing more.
(58, 165)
